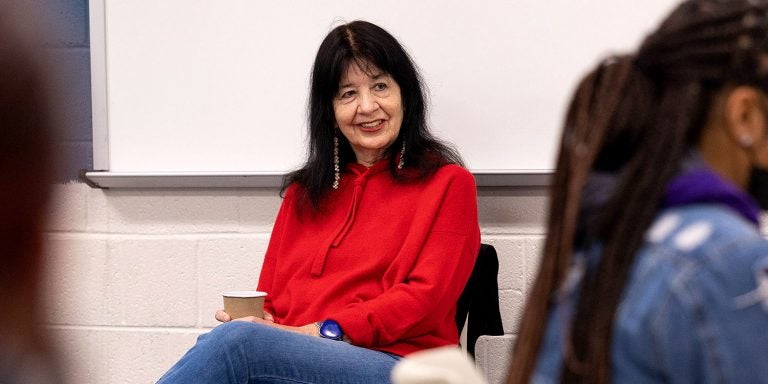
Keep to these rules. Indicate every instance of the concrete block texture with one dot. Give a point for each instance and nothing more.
(183, 211)
(80, 282)
(510, 250)
(257, 209)
(120, 355)
(135, 275)
(156, 279)
(534, 250)
(97, 209)
(69, 208)
(171, 211)
(492, 355)
(227, 264)
(79, 208)
(511, 304)
(525, 216)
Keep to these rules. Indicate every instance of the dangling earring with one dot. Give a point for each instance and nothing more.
(401, 163)
(336, 175)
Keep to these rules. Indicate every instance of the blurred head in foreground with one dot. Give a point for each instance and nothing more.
(25, 186)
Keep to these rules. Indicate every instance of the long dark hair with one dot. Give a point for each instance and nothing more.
(365, 44)
(635, 116)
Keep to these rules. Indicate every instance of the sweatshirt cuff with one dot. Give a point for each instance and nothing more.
(355, 326)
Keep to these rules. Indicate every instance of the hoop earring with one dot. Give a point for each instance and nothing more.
(336, 175)
(401, 163)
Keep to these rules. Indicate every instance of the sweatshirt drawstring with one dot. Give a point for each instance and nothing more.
(350, 216)
(319, 263)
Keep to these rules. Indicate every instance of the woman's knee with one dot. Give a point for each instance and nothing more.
(236, 330)
(234, 333)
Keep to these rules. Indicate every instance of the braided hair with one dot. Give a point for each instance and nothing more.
(632, 114)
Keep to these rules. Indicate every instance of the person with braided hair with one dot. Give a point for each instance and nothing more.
(654, 268)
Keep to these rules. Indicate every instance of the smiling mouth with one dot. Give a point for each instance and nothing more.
(372, 124)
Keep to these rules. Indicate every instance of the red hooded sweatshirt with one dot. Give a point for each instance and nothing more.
(387, 260)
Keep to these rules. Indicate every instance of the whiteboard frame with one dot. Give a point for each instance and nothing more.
(131, 180)
(101, 177)
(99, 112)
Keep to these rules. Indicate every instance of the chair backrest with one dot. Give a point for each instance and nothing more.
(478, 304)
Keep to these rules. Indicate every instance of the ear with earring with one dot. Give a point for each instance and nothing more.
(336, 174)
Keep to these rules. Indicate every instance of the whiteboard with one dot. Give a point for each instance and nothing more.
(185, 86)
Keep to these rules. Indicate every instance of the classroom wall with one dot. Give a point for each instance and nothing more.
(134, 275)
(68, 43)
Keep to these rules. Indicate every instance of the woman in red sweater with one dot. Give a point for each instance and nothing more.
(374, 241)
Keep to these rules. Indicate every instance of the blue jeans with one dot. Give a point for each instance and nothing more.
(242, 352)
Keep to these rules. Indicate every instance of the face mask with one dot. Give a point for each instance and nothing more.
(758, 186)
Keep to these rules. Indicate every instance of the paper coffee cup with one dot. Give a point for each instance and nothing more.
(244, 303)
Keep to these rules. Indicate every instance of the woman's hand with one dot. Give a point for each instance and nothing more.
(224, 317)
(309, 329)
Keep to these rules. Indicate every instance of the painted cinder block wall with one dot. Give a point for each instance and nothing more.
(66, 23)
(135, 275)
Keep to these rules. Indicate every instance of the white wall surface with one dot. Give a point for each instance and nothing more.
(135, 275)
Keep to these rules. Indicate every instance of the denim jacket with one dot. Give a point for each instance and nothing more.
(695, 306)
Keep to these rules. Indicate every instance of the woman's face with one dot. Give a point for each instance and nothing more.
(369, 111)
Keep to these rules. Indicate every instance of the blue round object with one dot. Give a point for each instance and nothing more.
(330, 329)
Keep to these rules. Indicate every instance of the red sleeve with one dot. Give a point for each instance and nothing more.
(273, 249)
(422, 302)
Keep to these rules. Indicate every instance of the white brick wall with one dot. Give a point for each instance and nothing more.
(135, 275)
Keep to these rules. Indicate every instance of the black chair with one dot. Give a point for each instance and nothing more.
(479, 302)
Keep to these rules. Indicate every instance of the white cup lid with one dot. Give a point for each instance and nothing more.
(244, 294)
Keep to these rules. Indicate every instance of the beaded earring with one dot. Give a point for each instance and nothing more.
(336, 175)
(401, 163)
